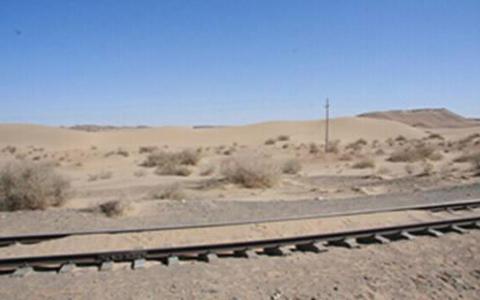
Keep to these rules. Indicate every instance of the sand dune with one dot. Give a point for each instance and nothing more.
(344, 129)
(425, 118)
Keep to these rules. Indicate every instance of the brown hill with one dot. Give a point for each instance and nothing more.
(425, 118)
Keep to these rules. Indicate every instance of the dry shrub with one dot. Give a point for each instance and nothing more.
(207, 170)
(147, 149)
(415, 153)
(119, 152)
(333, 147)
(115, 208)
(10, 149)
(171, 192)
(472, 158)
(102, 175)
(26, 185)
(380, 152)
(292, 166)
(400, 139)
(173, 169)
(435, 136)
(427, 169)
(345, 157)
(469, 139)
(313, 148)
(283, 138)
(270, 142)
(357, 145)
(140, 173)
(364, 164)
(251, 171)
(162, 158)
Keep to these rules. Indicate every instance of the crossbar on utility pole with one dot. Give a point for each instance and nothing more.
(327, 108)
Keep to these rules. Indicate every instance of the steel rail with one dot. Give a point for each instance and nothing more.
(435, 228)
(39, 237)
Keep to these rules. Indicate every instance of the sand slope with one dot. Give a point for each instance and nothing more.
(426, 118)
(344, 129)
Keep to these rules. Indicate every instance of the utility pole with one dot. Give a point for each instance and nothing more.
(327, 108)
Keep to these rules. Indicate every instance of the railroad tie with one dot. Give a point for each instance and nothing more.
(246, 253)
(172, 260)
(22, 271)
(208, 257)
(407, 235)
(138, 264)
(433, 232)
(381, 239)
(106, 266)
(458, 229)
(317, 247)
(67, 268)
(275, 251)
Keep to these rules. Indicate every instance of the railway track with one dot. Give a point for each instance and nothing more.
(40, 237)
(21, 266)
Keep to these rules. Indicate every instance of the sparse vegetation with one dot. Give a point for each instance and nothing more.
(283, 138)
(251, 171)
(207, 170)
(29, 186)
(292, 166)
(472, 158)
(162, 158)
(102, 175)
(270, 142)
(171, 192)
(415, 153)
(115, 208)
(364, 164)
(173, 169)
(147, 149)
(313, 148)
(140, 173)
(357, 145)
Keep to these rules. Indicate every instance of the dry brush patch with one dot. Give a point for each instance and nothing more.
(364, 164)
(29, 186)
(173, 163)
(291, 166)
(415, 153)
(115, 208)
(251, 171)
(170, 192)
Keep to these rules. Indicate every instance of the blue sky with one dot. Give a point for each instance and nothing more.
(231, 62)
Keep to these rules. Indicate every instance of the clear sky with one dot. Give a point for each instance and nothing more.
(233, 61)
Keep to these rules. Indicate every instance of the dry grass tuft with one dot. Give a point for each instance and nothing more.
(102, 175)
(173, 169)
(29, 186)
(270, 142)
(364, 164)
(292, 166)
(251, 171)
(171, 192)
(472, 158)
(115, 208)
(415, 153)
(357, 145)
(147, 149)
(161, 158)
(207, 170)
(283, 138)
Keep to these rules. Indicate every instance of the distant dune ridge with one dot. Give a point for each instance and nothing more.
(425, 118)
(344, 129)
(370, 126)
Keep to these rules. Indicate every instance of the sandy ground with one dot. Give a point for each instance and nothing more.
(427, 268)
